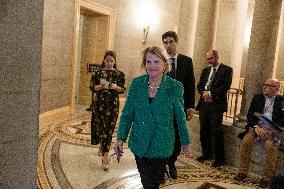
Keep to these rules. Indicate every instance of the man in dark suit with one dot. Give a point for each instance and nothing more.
(213, 85)
(181, 69)
(271, 106)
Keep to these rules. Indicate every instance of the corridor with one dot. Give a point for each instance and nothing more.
(67, 160)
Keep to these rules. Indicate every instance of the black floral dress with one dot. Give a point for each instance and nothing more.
(105, 107)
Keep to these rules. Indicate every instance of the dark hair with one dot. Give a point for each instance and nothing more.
(170, 34)
(153, 50)
(109, 53)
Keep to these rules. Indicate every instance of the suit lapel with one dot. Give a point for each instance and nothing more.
(179, 67)
(207, 73)
(218, 73)
(277, 101)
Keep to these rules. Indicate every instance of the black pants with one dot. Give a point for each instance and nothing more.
(276, 182)
(177, 147)
(151, 171)
(211, 132)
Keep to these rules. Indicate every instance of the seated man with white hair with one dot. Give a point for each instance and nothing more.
(270, 105)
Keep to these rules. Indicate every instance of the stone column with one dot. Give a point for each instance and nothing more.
(187, 26)
(21, 24)
(262, 48)
(205, 34)
(238, 38)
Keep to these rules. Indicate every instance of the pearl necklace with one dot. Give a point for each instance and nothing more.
(152, 89)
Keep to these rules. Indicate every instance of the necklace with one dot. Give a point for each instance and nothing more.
(152, 89)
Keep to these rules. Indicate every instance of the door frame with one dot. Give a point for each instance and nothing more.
(96, 8)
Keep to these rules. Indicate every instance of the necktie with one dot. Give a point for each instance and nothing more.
(173, 69)
(211, 79)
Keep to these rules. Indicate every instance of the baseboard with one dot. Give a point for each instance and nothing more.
(52, 115)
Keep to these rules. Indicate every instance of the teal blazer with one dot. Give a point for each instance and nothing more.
(151, 126)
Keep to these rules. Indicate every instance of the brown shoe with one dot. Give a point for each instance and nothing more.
(240, 177)
(263, 183)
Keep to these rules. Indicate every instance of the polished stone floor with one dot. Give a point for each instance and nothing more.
(67, 160)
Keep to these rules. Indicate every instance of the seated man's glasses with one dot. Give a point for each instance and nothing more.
(268, 85)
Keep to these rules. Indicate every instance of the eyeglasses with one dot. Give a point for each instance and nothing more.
(268, 85)
(210, 58)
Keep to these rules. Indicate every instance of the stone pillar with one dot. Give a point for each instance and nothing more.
(21, 24)
(277, 61)
(238, 38)
(205, 34)
(262, 48)
(187, 26)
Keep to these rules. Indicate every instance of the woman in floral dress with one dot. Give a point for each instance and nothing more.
(107, 82)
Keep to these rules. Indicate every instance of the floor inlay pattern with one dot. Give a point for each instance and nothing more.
(67, 160)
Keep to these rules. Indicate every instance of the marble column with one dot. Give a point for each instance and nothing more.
(262, 49)
(205, 35)
(187, 26)
(21, 24)
(238, 38)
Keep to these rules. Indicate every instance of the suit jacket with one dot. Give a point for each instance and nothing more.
(151, 125)
(185, 75)
(220, 85)
(257, 105)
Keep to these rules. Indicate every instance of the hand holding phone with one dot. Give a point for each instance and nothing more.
(105, 83)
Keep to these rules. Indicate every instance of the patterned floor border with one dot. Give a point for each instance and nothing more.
(60, 132)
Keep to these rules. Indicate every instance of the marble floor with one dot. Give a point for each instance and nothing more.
(67, 160)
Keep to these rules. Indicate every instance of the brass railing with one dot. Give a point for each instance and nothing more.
(241, 83)
(234, 103)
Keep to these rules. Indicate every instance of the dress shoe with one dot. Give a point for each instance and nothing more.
(173, 171)
(240, 177)
(263, 183)
(202, 158)
(217, 163)
(162, 179)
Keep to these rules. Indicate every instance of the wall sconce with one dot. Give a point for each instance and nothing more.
(146, 31)
(146, 14)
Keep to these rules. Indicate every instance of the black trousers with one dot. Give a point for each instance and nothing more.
(211, 132)
(151, 171)
(177, 147)
(276, 182)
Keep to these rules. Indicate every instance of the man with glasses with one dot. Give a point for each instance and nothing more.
(213, 85)
(270, 105)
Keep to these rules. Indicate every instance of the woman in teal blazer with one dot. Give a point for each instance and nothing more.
(153, 101)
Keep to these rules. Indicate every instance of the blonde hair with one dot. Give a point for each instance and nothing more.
(153, 50)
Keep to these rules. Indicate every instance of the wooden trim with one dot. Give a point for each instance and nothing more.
(54, 114)
(97, 8)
